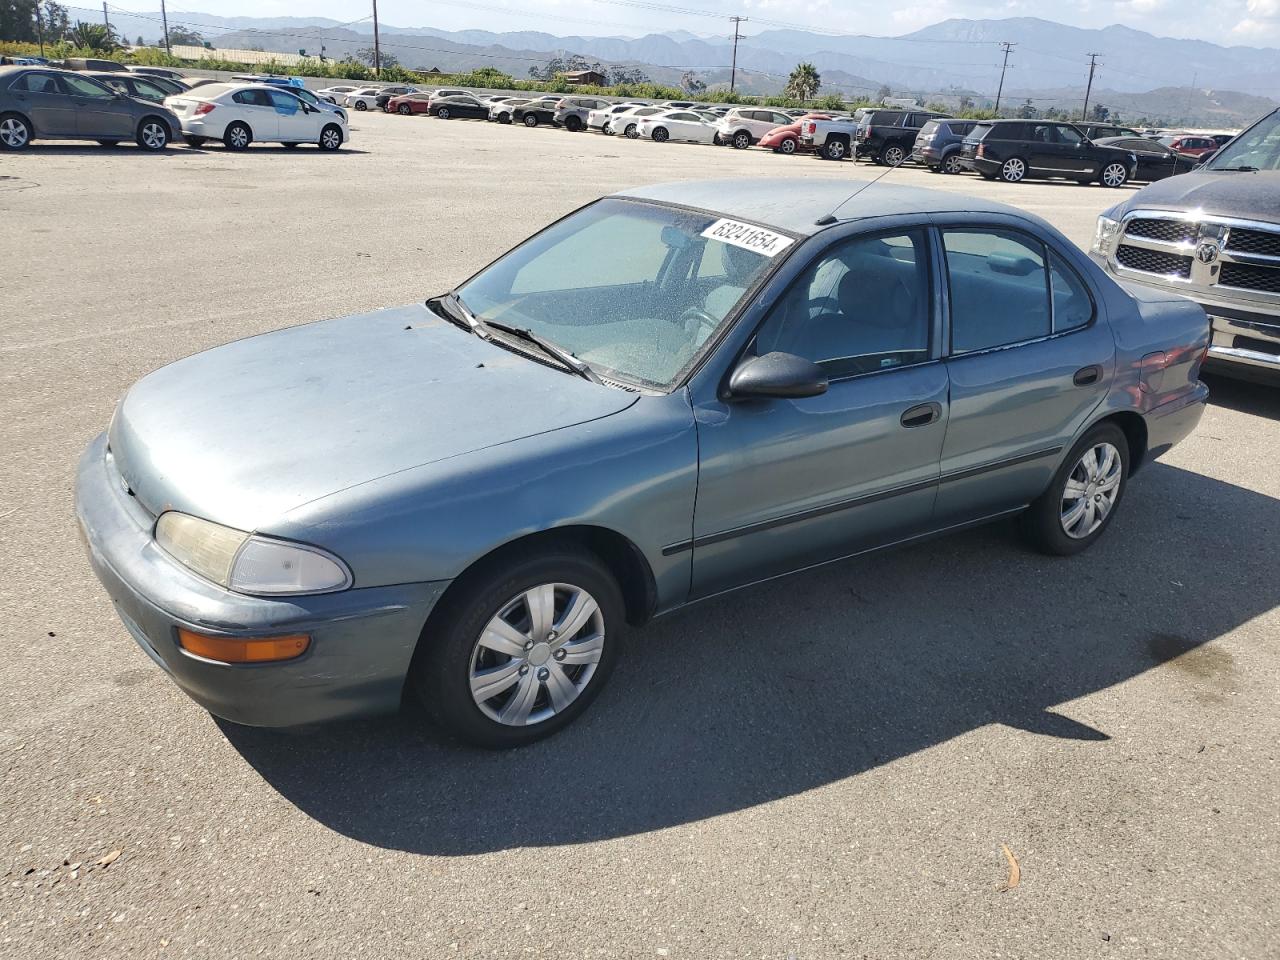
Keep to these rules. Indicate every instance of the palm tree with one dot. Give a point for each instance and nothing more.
(804, 82)
(92, 36)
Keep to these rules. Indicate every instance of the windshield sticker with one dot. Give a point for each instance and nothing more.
(747, 236)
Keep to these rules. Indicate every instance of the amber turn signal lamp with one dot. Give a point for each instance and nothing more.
(236, 650)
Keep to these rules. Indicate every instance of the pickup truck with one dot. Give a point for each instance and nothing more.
(831, 139)
(1213, 236)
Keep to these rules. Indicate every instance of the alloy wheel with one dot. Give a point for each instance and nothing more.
(14, 133)
(537, 654)
(834, 150)
(951, 164)
(154, 136)
(1091, 490)
(405, 109)
(239, 137)
(1014, 169)
(1115, 175)
(787, 146)
(893, 156)
(741, 141)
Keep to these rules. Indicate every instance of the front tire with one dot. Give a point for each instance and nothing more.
(1114, 175)
(521, 648)
(1084, 495)
(361, 105)
(573, 123)
(15, 132)
(152, 134)
(237, 136)
(632, 131)
(443, 113)
(330, 138)
(530, 120)
(404, 109)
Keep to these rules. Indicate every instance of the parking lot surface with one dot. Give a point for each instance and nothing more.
(828, 765)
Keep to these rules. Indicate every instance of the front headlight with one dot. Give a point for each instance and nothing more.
(1105, 235)
(247, 563)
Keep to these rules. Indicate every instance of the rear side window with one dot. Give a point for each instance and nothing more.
(35, 83)
(962, 129)
(999, 289)
(253, 98)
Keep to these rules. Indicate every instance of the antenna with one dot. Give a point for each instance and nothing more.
(830, 218)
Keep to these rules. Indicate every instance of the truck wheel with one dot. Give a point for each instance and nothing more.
(835, 149)
(893, 155)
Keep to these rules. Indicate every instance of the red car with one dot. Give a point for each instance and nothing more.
(408, 103)
(1190, 146)
(787, 139)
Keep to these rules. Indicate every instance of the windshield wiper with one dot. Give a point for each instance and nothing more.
(457, 313)
(549, 347)
(1243, 168)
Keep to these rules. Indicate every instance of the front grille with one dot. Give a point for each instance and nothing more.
(1243, 276)
(1258, 346)
(1253, 241)
(1170, 231)
(1153, 261)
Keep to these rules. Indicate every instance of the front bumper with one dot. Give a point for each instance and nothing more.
(362, 639)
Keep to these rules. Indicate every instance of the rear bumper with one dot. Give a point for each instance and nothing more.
(362, 639)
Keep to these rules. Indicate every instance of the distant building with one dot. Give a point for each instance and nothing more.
(585, 78)
(435, 70)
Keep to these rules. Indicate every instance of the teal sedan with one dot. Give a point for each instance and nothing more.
(672, 392)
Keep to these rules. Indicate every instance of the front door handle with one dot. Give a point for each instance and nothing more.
(1087, 375)
(922, 415)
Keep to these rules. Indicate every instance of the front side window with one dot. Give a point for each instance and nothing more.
(149, 90)
(860, 308)
(633, 289)
(84, 87)
(999, 293)
(285, 103)
(1069, 135)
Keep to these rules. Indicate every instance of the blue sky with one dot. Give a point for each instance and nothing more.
(1248, 22)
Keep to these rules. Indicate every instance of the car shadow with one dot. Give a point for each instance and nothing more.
(781, 688)
(1260, 398)
(177, 149)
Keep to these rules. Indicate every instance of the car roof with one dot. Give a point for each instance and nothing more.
(795, 205)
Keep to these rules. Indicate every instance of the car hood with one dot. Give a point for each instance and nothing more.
(246, 432)
(1251, 196)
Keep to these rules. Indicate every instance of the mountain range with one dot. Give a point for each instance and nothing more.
(1049, 61)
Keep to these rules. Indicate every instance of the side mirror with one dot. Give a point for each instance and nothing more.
(777, 375)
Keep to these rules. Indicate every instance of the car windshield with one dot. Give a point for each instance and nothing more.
(1257, 148)
(632, 289)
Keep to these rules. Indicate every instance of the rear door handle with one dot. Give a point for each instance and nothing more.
(922, 415)
(1087, 375)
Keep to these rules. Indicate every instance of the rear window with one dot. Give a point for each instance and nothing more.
(885, 118)
(979, 131)
(930, 127)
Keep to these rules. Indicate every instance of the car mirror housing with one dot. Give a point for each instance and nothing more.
(777, 375)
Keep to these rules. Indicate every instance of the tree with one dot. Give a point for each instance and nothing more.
(621, 75)
(1028, 111)
(1099, 113)
(182, 36)
(691, 82)
(883, 93)
(18, 20)
(366, 56)
(93, 36)
(804, 82)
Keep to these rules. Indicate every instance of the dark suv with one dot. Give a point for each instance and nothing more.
(938, 144)
(1016, 149)
(887, 136)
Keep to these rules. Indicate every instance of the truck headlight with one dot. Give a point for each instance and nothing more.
(1105, 235)
(247, 563)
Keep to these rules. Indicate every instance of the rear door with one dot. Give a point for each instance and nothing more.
(100, 113)
(257, 110)
(45, 103)
(1076, 156)
(1030, 358)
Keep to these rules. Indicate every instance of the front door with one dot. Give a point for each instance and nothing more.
(294, 123)
(46, 103)
(786, 483)
(101, 114)
(1030, 360)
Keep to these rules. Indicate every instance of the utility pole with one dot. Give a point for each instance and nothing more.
(377, 44)
(1093, 64)
(105, 22)
(40, 27)
(733, 70)
(164, 16)
(1007, 47)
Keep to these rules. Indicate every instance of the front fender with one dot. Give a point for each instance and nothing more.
(634, 473)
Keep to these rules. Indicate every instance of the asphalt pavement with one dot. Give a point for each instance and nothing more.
(830, 765)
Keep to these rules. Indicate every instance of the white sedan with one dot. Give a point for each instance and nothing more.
(334, 94)
(239, 114)
(682, 125)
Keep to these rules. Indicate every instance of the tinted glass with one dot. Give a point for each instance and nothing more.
(962, 129)
(145, 88)
(36, 83)
(84, 87)
(1072, 306)
(930, 128)
(999, 291)
(284, 103)
(1069, 135)
(860, 308)
(253, 98)
(633, 289)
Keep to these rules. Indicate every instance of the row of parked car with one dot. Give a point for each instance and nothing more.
(153, 107)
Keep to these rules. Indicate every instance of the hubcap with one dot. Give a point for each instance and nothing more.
(537, 654)
(239, 137)
(331, 139)
(14, 132)
(1091, 490)
(788, 146)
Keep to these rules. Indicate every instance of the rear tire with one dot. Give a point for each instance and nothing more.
(361, 105)
(449, 654)
(1013, 170)
(952, 165)
(237, 136)
(835, 149)
(632, 131)
(788, 145)
(530, 120)
(660, 135)
(892, 156)
(741, 140)
(1046, 522)
(442, 113)
(153, 134)
(15, 132)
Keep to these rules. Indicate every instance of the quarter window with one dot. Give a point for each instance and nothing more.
(860, 308)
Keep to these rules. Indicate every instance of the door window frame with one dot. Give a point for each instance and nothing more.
(1048, 250)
